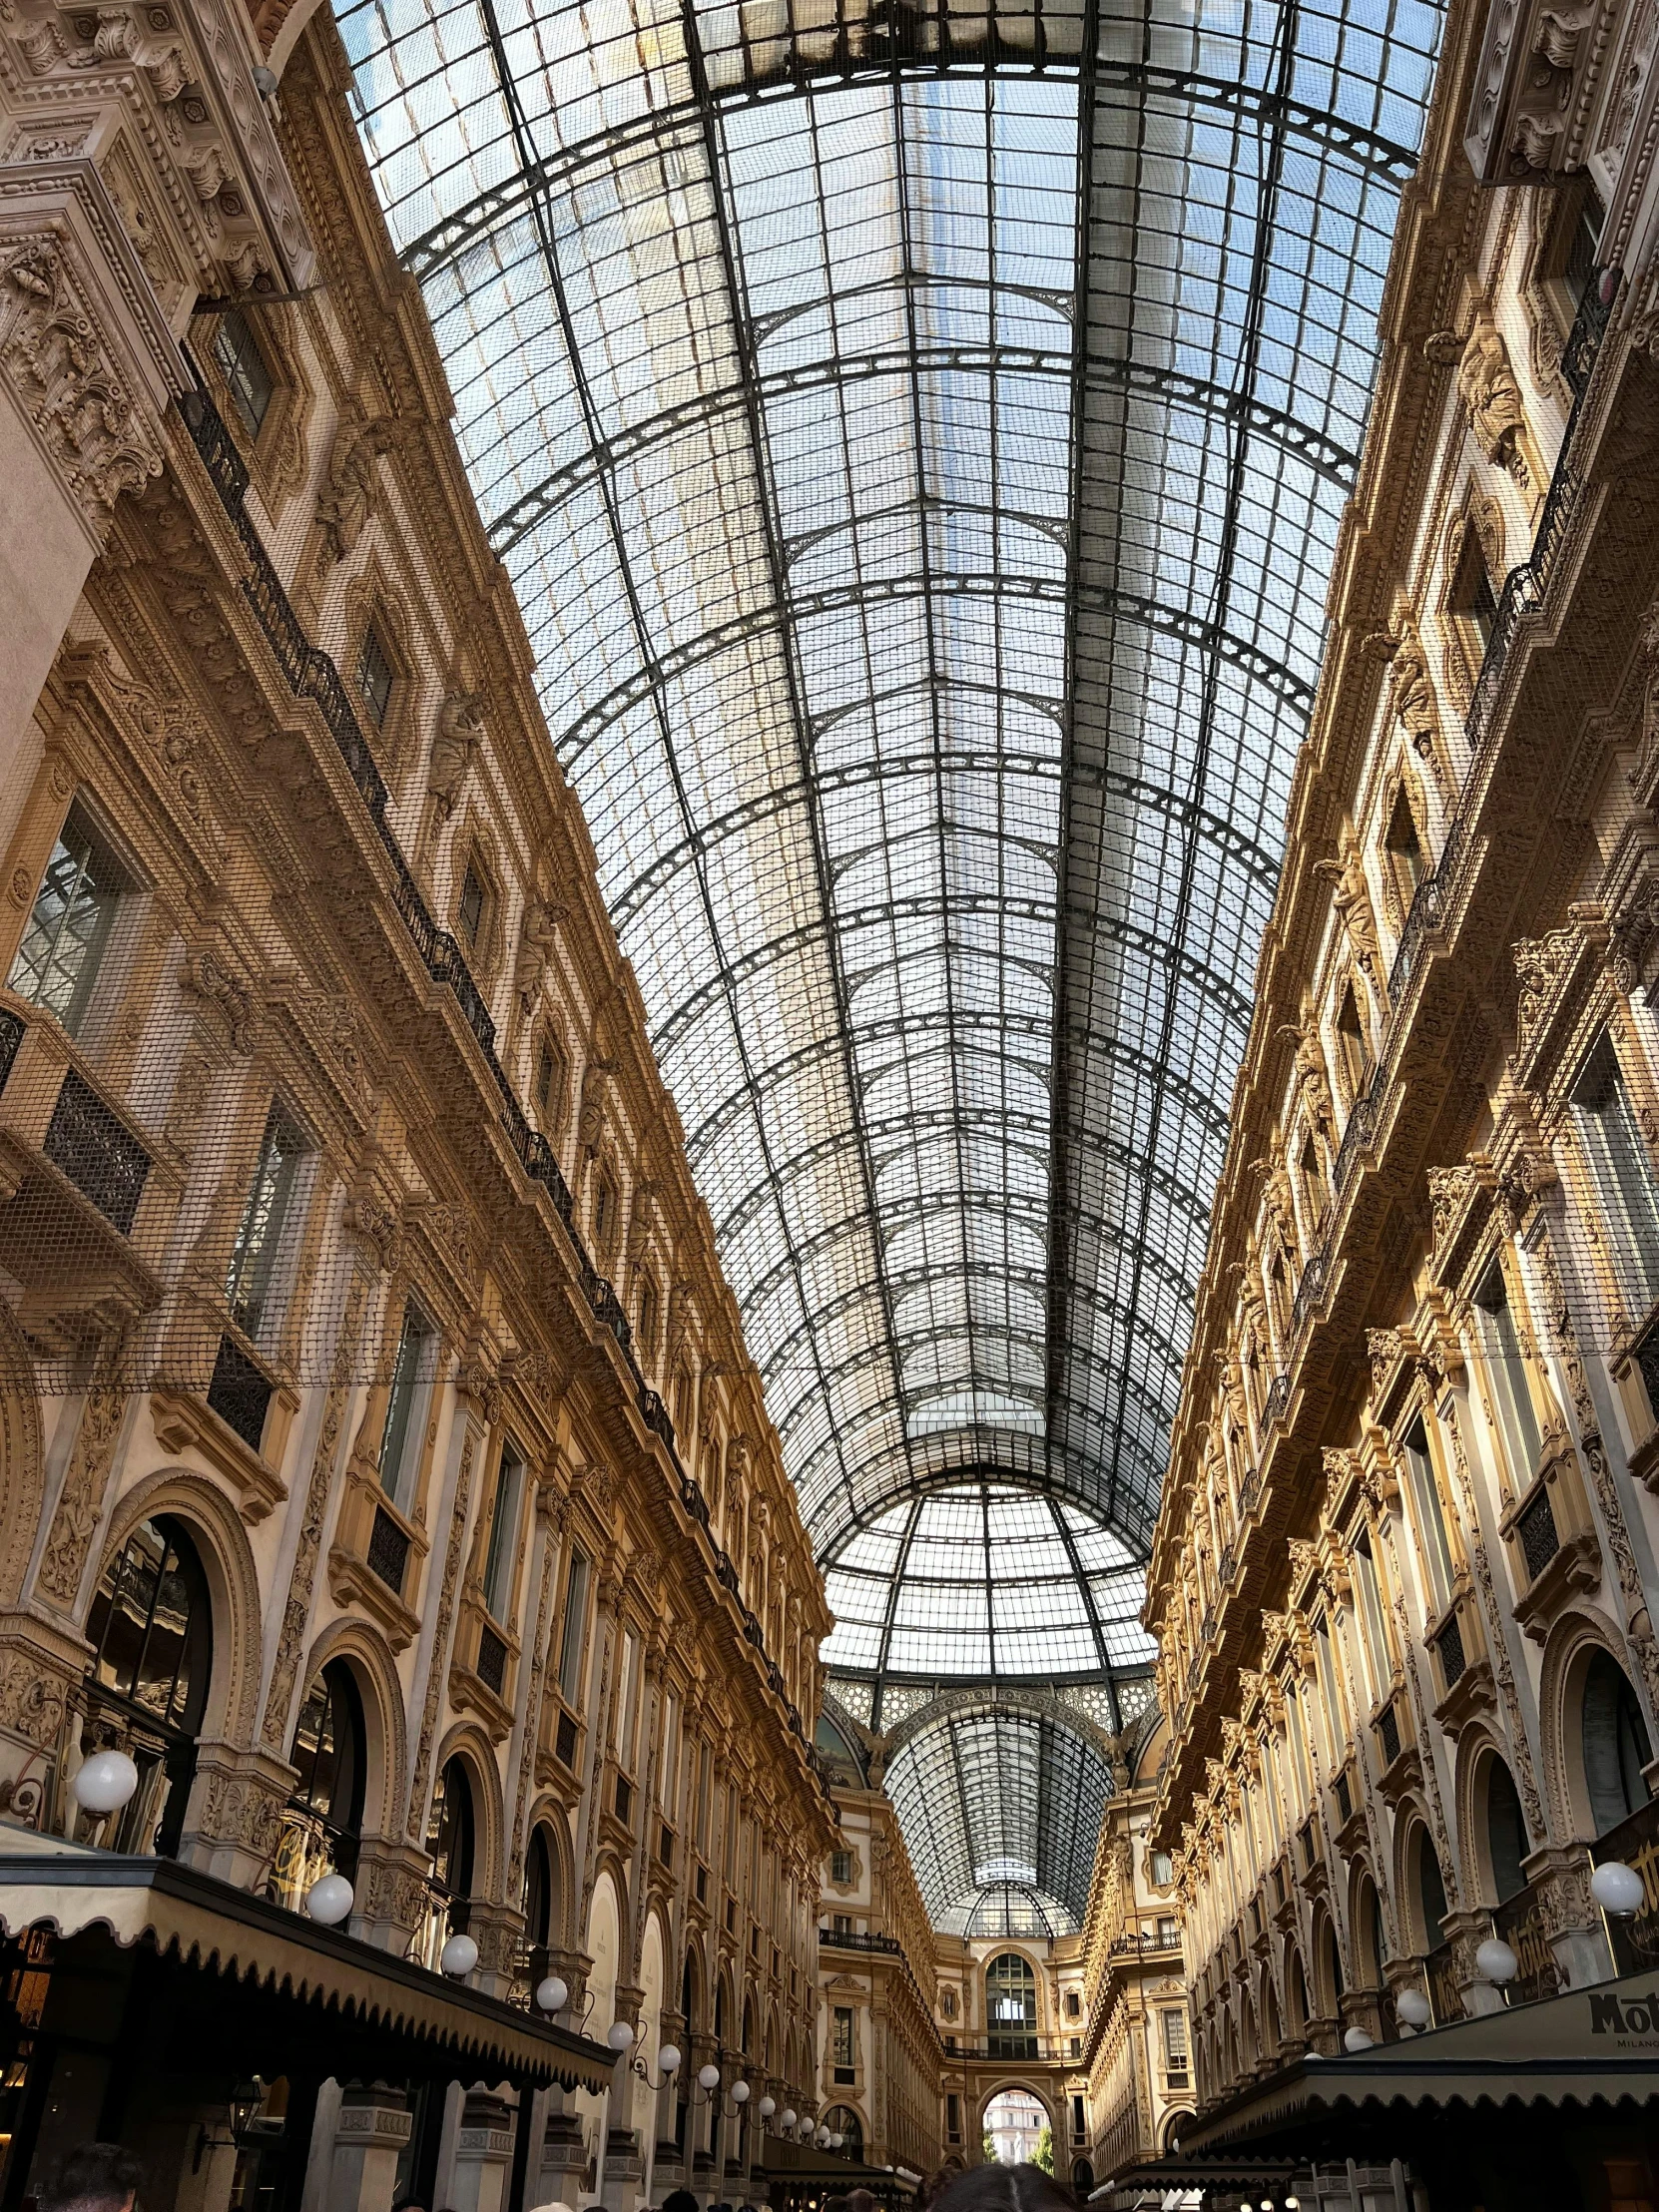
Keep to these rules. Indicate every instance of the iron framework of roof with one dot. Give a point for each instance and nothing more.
(918, 437)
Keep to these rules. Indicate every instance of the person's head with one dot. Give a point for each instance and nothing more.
(93, 2177)
(994, 2187)
(680, 2200)
(861, 2200)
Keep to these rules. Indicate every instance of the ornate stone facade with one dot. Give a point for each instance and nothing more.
(1390, 1716)
(290, 1116)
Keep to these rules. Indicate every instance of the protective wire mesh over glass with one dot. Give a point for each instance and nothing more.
(918, 439)
(984, 1579)
(1000, 1810)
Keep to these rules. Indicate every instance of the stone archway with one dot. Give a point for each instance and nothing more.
(1013, 2118)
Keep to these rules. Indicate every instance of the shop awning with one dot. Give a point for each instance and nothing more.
(347, 1994)
(1595, 2046)
(805, 2162)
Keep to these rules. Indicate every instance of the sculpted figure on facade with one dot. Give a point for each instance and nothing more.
(1313, 1079)
(348, 500)
(459, 734)
(536, 946)
(1491, 398)
(1351, 895)
(1415, 707)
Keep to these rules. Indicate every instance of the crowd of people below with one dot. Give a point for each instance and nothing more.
(103, 2178)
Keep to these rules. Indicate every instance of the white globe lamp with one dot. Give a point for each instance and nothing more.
(1618, 1889)
(767, 2107)
(330, 1899)
(836, 2140)
(708, 2077)
(620, 2036)
(1356, 2039)
(552, 1994)
(1412, 2008)
(1495, 1961)
(668, 2058)
(786, 2119)
(821, 2139)
(459, 1957)
(740, 2093)
(105, 1782)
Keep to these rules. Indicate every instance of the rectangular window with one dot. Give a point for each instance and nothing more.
(1430, 1521)
(622, 1734)
(841, 2039)
(1163, 1870)
(953, 2116)
(705, 1765)
(1299, 1746)
(841, 1865)
(547, 1070)
(1167, 1936)
(374, 675)
(668, 1787)
(1583, 246)
(1482, 603)
(1329, 1701)
(570, 1638)
(259, 1249)
(498, 1560)
(400, 1440)
(1506, 1373)
(1623, 1171)
(69, 930)
(1175, 2041)
(1373, 1635)
(470, 911)
(243, 369)
(604, 1211)
(1079, 2126)
(648, 1315)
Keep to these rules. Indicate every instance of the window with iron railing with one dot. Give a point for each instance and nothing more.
(69, 927)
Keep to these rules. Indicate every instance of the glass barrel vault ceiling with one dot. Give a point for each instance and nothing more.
(918, 437)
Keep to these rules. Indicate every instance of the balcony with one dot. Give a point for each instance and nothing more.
(857, 1938)
(83, 1205)
(1550, 1536)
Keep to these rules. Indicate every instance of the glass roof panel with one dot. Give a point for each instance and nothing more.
(918, 441)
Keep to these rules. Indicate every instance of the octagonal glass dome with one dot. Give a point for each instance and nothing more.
(985, 1579)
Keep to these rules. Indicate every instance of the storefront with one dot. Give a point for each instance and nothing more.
(1545, 2107)
(150, 2004)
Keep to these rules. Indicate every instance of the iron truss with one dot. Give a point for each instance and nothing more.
(1000, 1810)
(917, 438)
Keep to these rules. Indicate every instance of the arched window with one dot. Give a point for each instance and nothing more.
(151, 1630)
(1370, 1947)
(1616, 1745)
(323, 1822)
(1506, 1843)
(1431, 1892)
(1011, 2007)
(1082, 2179)
(1297, 1986)
(449, 1848)
(842, 2120)
(538, 1893)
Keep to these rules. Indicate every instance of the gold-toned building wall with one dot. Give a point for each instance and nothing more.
(350, 1252)
(1403, 1577)
(1137, 2032)
(880, 2051)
